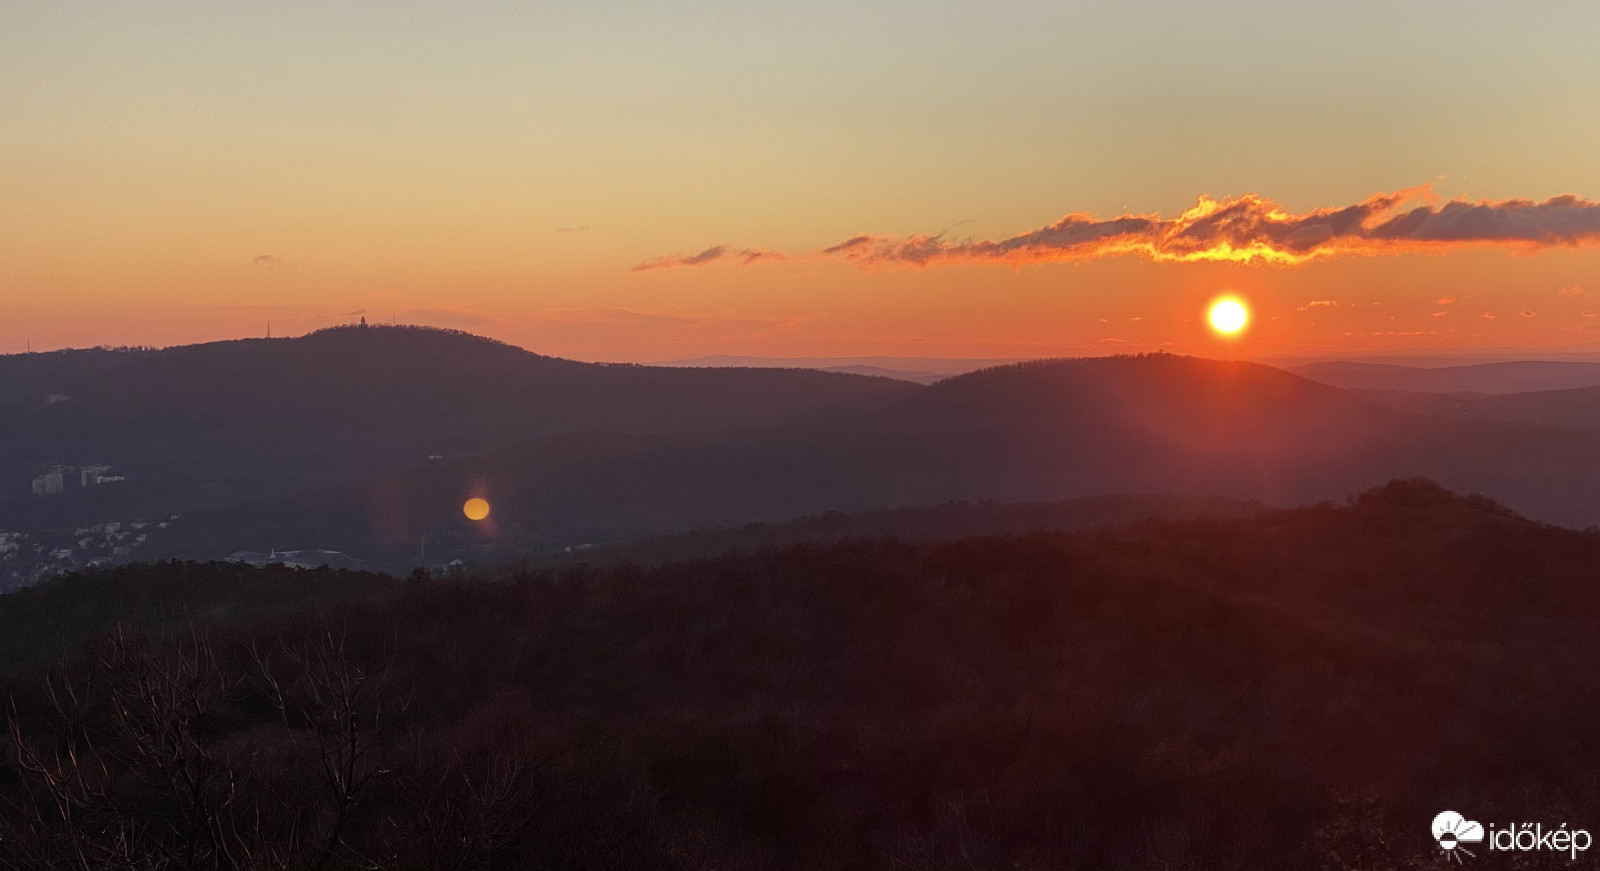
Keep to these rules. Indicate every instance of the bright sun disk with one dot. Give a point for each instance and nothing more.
(1228, 316)
(476, 508)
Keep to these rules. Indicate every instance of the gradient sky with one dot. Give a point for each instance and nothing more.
(179, 172)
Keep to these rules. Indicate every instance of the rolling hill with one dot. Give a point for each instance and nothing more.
(1039, 431)
(1577, 407)
(367, 441)
(204, 426)
(1518, 376)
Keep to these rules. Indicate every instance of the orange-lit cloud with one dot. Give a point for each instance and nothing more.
(1254, 229)
(1246, 229)
(710, 255)
(266, 261)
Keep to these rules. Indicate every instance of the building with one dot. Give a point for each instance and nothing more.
(59, 478)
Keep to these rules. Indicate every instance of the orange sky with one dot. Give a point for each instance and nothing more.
(194, 171)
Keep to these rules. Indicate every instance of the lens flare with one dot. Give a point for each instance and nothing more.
(1228, 316)
(476, 508)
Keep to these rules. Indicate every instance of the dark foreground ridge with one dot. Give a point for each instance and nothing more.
(1294, 689)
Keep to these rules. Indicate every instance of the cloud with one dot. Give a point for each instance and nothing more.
(577, 229)
(1487, 316)
(1254, 229)
(1589, 314)
(1444, 300)
(1574, 290)
(1440, 314)
(751, 255)
(1528, 313)
(1244, 229)
(710, 255)
(266, 261)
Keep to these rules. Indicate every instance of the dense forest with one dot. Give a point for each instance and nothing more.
(1302, 688)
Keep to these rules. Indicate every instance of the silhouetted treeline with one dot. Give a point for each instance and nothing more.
(1298, 689)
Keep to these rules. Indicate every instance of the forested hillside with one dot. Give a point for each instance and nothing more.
(1295, 689)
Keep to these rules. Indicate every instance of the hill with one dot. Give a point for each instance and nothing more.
(1579, 407)
(1031, 432)
(358, 394)
(1519, 376)
(368, 441)
(201, 427)
(1297, 689)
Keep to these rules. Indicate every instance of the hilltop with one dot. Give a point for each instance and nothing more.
(203, 427)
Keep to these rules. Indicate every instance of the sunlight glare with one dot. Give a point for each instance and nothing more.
(1228, 316)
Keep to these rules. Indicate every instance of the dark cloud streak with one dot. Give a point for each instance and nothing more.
(746, 255)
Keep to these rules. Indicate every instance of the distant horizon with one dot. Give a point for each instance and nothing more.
(1425, 358)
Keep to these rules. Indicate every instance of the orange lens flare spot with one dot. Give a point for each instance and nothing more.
(476, 509)
(1228, 316)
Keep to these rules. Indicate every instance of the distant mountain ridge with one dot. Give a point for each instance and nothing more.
(922, 370)
(1030, 432)
(201, 427)
(367, 441)
(387, 388)
(1493, 378)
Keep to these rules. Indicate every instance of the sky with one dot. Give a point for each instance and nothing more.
(647, 181)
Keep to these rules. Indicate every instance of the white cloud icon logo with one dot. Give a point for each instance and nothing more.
(1453, 831)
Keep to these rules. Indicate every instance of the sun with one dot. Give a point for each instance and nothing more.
(476, 508)
(1228, 316)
